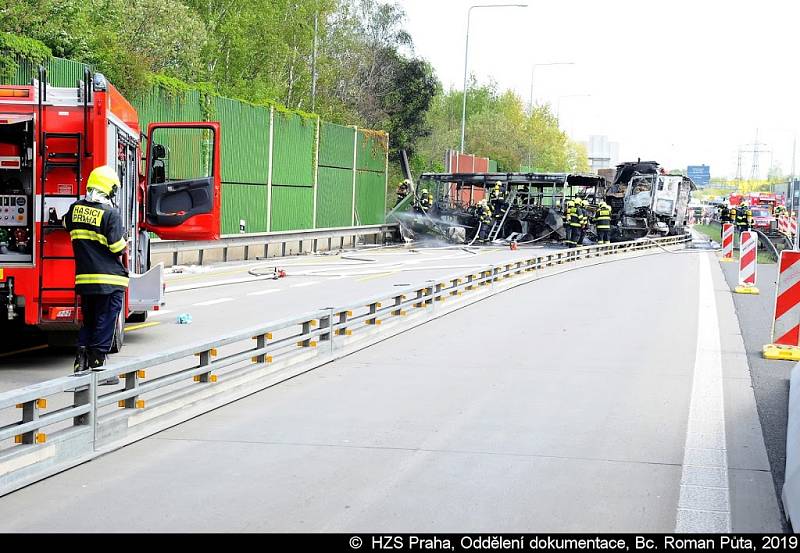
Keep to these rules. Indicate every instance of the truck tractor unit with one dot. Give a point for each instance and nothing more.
(646, 201)
(51, 138)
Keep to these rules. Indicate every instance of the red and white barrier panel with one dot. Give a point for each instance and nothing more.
(748, 263)
(786, 321)
(727, 242)
(787, 225)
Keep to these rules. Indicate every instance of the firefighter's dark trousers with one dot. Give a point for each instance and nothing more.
(603, 235)
(572, 234)
(100, 313)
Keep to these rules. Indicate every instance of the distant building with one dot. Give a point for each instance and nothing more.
(602, 153)
(700, 174)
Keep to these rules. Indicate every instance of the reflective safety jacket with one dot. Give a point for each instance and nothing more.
(584, 218)
(573, 216)
(602, 219)
(485, 215)
(98, 241)
(744, 218)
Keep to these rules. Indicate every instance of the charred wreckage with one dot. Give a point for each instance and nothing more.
(532, 207)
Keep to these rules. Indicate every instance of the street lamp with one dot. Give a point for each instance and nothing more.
(558, 106)
(466, 54)
(533, 71)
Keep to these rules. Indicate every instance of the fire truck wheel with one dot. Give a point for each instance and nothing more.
(119, 335)
(137, 317)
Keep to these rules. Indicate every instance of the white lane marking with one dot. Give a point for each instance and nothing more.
(160, 312)
(704, 502)
(262, 292)
(212, 302)
(301, 284)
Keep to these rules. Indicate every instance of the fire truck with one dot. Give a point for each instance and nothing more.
(763, 205)
(51, 138)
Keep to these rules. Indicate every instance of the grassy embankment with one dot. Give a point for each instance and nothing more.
(714, 232)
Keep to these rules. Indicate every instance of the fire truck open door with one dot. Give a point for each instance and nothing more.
(183, 175)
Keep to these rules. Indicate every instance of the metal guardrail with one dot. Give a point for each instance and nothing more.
(264, 240)
(194, 379)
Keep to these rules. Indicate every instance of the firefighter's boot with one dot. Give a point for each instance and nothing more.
(96, 361)
(81, 365)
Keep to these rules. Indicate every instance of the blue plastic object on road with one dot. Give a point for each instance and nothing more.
(185, 319)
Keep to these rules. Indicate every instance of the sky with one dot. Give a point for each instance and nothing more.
(677, 81)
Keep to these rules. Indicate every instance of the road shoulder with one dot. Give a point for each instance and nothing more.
(754, 504)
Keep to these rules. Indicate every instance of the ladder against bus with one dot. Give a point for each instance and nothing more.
(497, 227)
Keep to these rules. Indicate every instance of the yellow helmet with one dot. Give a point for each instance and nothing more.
(104, 179)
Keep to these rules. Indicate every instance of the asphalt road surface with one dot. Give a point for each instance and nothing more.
(611, 398)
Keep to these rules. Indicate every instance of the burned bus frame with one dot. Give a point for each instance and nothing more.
(537, 200)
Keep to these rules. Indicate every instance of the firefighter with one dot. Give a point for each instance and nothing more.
(583, 210)
(424, 201)
(402, 190)
(724, 214)
(498, 201)
(744, 217)
(484, 214)
(602, 223)
(573, 222)
(98, 243)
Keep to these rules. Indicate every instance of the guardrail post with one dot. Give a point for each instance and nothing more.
(174, 258)
(398, 311)
(205, 361)
(30, 413)
(132, 383)
(343, 330)
(438, 296)
(82, 396)
(373, 308)
(455, 283)
(261, 343)
(308, 342)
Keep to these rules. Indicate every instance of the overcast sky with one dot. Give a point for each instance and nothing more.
(678, 81)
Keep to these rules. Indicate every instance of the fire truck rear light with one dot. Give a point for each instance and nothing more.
(10, 164)
(15, 93)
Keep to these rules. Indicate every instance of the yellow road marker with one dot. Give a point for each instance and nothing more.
(379, 275)
(34, 348)
(139, 326)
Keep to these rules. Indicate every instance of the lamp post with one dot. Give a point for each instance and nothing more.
(533, 71)
(466, 57)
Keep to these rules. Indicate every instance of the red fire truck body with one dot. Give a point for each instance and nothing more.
(50, 140)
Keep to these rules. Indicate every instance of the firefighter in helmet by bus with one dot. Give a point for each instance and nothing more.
(484, 214)
(403, 189)
(424, 201)
(98, 242)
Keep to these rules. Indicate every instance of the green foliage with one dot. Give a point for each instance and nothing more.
(13, 47)
(498, 127)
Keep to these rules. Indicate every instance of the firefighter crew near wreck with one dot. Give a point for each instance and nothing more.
(602, 223)
(98, 242)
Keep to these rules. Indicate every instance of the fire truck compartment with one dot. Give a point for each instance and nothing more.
(16, 189)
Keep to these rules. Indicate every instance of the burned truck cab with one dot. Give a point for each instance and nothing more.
(645, 201)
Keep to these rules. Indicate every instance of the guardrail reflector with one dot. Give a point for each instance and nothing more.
(41, 438)
(344, 332)
(41, 403)
(140, 404)
(374, 322)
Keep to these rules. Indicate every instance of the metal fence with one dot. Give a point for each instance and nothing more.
(54, 425)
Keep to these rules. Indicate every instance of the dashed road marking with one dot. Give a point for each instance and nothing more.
(212, 302)
(379, 275)
(262, 292)
(302, 284)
